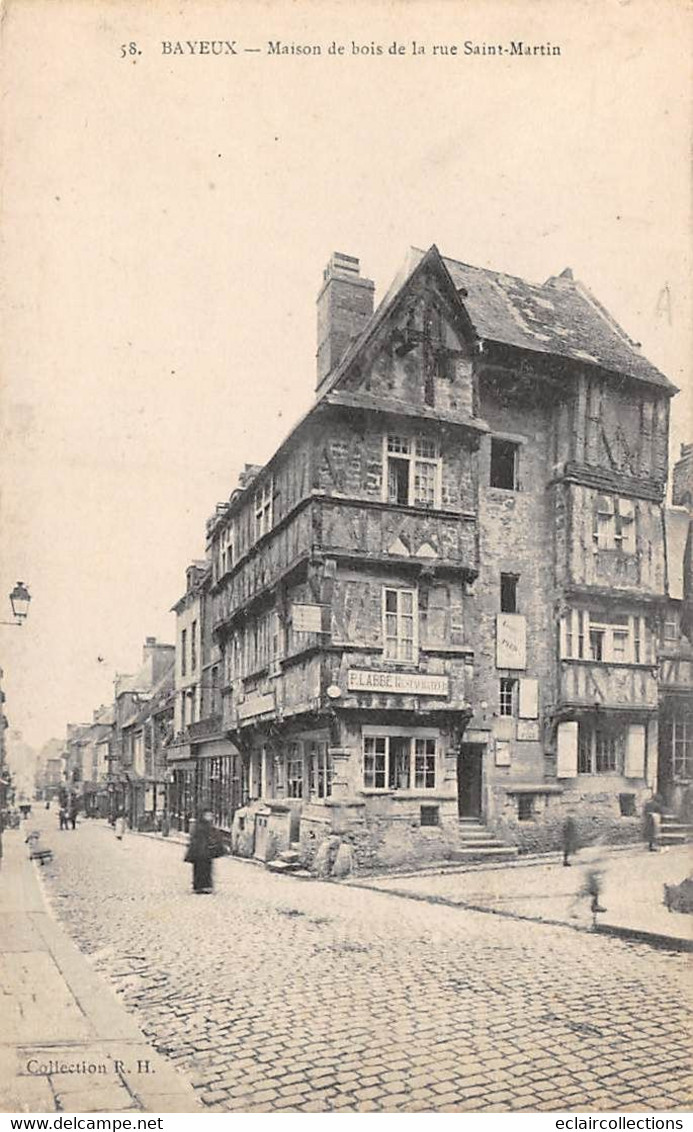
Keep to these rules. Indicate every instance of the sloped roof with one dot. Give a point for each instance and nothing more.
(559, 317)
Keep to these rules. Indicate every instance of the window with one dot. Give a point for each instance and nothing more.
(275, 627)
(619, 645)
(671, 626)
(606, 752)
(504, 464)
(399, 624)
(605, 525)
(596, 644)
(424, 764)
(215, 702)
(184, 652)
(525, 807)
(193, 646)
(507, 695)
(256, 643)
(320, 770)
(263, 509)
(610, 638)
(375, 752)
(399, 762)
(682, 745)
(412, 471)
(603, 637)
(430, 815)
(227, 550)
(600, 749)
(508, 593)
(294, 771)
(614, 524)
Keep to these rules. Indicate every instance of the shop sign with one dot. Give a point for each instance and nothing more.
(397, 683)
(510, 640)
(306, 618)
(528, 730)
(256, 705)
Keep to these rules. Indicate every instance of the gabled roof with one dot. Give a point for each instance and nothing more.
(559, 317)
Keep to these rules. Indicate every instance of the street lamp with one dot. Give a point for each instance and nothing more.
(19, 600)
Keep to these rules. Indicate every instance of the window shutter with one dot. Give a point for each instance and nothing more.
(567, 750)
(529, 698)
(635, 751)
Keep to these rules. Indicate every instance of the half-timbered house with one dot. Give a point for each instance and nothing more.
(436, 605)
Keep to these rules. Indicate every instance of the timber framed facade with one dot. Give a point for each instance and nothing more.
(441, 600)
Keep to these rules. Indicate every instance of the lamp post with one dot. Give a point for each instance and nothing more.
(19, 600)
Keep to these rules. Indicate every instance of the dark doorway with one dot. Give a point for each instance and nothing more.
(469, 768)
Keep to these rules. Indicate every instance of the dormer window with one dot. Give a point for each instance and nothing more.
(263, 509)
(412, 471)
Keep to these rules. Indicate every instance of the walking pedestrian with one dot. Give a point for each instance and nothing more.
(74, 810)
(592, 885)
(62, 817)
(204, 845)
(119, 825)
(570, 838)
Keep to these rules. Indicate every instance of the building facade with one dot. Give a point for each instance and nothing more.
(439, 601)
(204, 767)
(136, 772)
(675, 773)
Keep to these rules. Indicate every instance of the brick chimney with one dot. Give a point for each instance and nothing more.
(345, 304)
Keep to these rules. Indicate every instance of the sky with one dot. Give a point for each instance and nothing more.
(166, 220)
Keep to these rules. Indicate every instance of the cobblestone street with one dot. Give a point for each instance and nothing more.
(282, 994)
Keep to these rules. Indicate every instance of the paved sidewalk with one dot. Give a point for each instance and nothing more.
(66, 1043)
(633, 884)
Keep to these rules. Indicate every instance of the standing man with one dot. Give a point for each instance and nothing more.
(205, 844)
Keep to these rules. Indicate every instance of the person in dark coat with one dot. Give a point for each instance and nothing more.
(204, 845)
(570, 839)
(74, 810)
(652, 812)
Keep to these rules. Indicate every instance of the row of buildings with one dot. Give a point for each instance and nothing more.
(453, 605)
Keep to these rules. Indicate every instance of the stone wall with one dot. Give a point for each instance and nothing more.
(597, 814)
(382, 842)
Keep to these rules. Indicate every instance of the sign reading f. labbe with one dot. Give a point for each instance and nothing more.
(397, 683)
